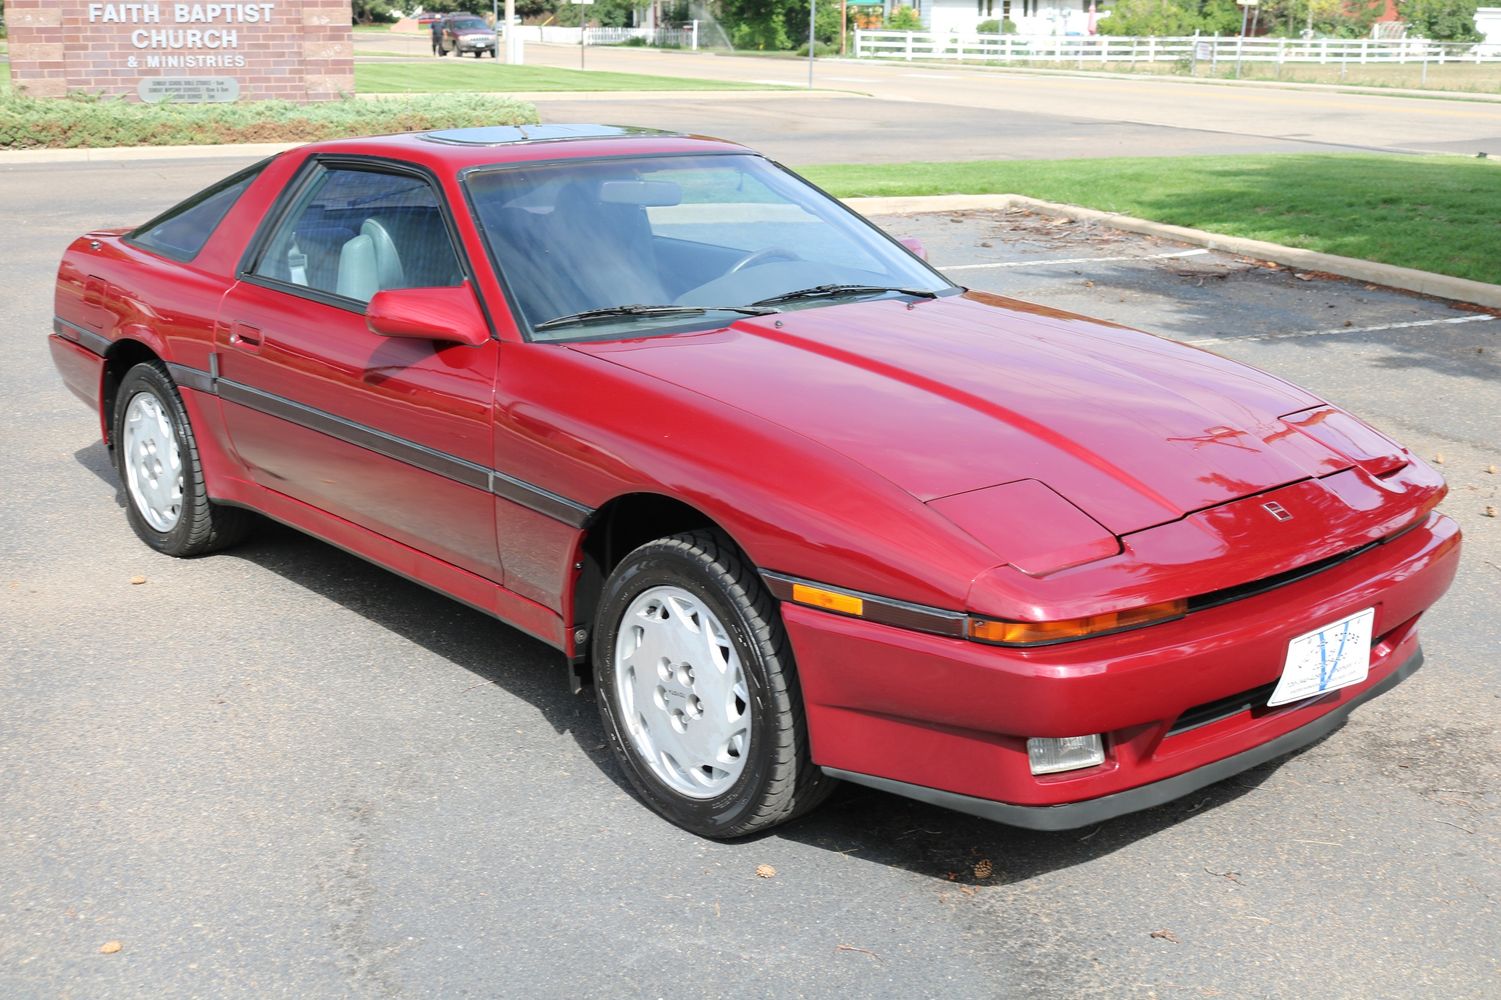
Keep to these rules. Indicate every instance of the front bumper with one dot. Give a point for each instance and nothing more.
(1072, 815)
(946, 721)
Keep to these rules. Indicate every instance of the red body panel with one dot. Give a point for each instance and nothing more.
(955, 715)
(968, 454)
(80, 368)
(323, 357)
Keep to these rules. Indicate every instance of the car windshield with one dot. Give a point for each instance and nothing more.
(643, 245)
(468, 24)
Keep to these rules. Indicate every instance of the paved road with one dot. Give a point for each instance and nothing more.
(854, 129)
(1354, 120)
(281, 772)
(1071, 115)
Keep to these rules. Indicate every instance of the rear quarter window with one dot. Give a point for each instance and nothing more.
(181, 231)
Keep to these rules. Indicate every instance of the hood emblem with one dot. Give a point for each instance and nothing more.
(1277, 510)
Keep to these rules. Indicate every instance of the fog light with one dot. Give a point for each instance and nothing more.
(1049, 755)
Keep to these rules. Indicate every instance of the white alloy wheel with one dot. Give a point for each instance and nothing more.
(682, 692)
(153, 462)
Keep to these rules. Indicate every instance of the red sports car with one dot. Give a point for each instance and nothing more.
(798, 507)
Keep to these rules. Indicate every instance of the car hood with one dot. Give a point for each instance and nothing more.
(961, 393)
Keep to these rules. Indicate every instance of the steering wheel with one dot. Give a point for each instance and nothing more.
(761, 257)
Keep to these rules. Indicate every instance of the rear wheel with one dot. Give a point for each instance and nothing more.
(698, 690)
(156, 456)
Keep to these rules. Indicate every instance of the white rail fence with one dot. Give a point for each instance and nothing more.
(1099, 49)
(685, 37)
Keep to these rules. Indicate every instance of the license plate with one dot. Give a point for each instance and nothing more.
(1326, 659)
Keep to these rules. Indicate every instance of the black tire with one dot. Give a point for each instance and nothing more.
(779, 780)
(202, 526)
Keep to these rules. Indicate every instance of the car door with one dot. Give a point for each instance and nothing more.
(391, 433)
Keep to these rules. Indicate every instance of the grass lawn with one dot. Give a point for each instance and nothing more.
(1440, 214)
(488, 76)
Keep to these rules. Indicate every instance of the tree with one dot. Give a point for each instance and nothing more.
(457, 6)
(757, 24)
(1153, 17)
(825, 21)
(1441, 20)
(371, 12)
(604, 13)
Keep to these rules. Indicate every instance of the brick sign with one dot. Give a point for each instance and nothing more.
(295, 50)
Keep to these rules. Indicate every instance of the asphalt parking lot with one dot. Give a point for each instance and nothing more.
(279, 771)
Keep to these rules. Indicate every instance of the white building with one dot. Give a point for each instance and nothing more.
(1032, 17)
(1488, 21)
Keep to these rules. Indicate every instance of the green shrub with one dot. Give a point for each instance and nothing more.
(903, 19)
(822, 50)
(85, 121)
(1441, 20)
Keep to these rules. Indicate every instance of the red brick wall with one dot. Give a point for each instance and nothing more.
(303, 52)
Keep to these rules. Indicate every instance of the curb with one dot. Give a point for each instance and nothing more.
(542, 96)
(1405, 278)
(107, 154)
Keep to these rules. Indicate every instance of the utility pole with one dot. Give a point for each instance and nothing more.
(812, 6)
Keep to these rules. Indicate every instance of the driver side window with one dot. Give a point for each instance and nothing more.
(354, 232)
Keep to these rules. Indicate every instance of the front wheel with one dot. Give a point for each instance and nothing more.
(698, 690)
(156, 456)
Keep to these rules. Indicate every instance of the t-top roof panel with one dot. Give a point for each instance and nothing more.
(501, 135)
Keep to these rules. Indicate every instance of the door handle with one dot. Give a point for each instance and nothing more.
(244, 336)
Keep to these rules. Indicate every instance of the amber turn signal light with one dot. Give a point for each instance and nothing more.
(1035, 633)
(829, 600)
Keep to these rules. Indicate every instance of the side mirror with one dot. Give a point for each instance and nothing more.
(915, 245)
(446, 315)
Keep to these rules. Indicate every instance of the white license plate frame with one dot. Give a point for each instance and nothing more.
(1330, 657)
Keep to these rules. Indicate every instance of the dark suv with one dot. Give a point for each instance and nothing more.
(466, 33)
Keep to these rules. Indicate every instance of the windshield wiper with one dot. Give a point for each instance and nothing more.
(612, 312)
(829, 291)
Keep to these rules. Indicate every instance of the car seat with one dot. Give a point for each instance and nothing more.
(369, 263)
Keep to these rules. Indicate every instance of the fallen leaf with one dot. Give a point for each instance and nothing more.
(984, 869)
(136, 581)
(110, 947)
(1232, 876)
(1166, 936)
(765, 871)
(863, 951)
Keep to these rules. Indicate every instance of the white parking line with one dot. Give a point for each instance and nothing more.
(1452, 320)
(1072, 260)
